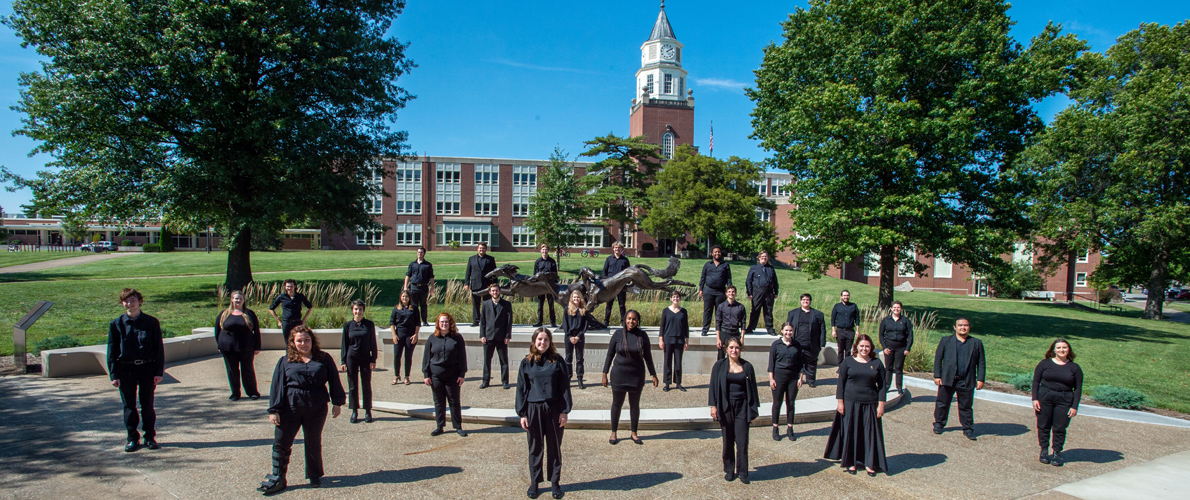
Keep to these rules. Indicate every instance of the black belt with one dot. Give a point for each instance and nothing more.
(137, 362)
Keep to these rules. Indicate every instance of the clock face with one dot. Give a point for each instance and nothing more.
(668, 51)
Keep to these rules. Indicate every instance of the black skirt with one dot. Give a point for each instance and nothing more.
(857, 436)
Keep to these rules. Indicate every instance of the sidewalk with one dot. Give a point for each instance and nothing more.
(1165, 478)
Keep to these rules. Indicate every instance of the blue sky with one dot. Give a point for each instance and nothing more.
(516, 79)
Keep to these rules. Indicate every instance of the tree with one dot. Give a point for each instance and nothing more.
(708, 198)
(231, 114)
(556, 210)
(618, 183)
(898, 119)
(74, 227)
(1113, 169)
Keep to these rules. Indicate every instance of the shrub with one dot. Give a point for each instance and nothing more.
(59, 342)
(1011, 282)
(14, 241)
(166, 242)
(152, 247)
(1021, 381)
(1111, 295)
(1119, 397)
(127, 243)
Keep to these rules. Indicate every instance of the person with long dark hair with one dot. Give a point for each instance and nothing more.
(237, 333)
(735, 404)
(1057, 389)
(405, 325)
(673, 339)
(785, 378)
(136, 364)
(444, 367)
(358, 353)
(628, 354)
(304, 381)
(543, 402)
(896, 337)
(857, 434)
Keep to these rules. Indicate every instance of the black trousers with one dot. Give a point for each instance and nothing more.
(402, 348)
(542, 300)
(786, 392)
(761, 304)
(672, 367)
(545, 438)
(286, 326)
(446, 390)
(136, 384)
(240, 370)
(1054, 417)
(966, 397)
(711, 298)
(417, 297)
(359, 372)
(607, 313)
(724, 336)
(734, 424)
(310, 421)
(896, 364)
(633, 408)
(809, 357)
(476, 304)
(499, 347)
(574, 356)
(845, 338)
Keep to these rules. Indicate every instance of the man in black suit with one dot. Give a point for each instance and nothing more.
(959, 368)
(809, 333)
(612, 266)
(475, 280)
(495, 330)
(545, 264)
(762, 288)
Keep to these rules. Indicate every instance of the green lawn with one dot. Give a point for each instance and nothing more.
(18, 258)
(1178, 306)
(1152, 357)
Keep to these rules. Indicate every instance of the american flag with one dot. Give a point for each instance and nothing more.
(711, 146)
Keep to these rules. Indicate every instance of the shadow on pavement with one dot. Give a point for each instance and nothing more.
(626, 483)
(243, 443)
(396, 476)
(1092, 456)
(1000, 429)
(686, 434)
(909, 461)
(788, 470)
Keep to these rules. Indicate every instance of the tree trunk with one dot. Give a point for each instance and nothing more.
(1071, 274)
(888, 270)
(1158, 276)
(239, 263)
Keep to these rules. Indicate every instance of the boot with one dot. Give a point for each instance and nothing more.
(789, 433)
(1056, 459)
(776, 433)
(275, 482)
(1045, 455)
(368, 415)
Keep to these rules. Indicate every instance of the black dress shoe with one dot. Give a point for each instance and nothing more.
(789, 433)
(776, 433)
(506, 386)
(254, 397)
(437, 432)
(538, 324)
(704, 334)
(132, 446)
(613, 441)
(483, 385)
(1056, 459)
(970, 435)
(680, 388)
(462, 433)
(556, 490)
(665, 389)
(744, 480)
(354, 417)
(581, 385)
(813, 384)
(1045, 456)
(316, 482)
(532, 493)
(871, 474)
(851, 471)
(730, 476)
(233, 397)
(474, 324)
(368, 416)
(636, 439)
(937, 429)
(151, 444)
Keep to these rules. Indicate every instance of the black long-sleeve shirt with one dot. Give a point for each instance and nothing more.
(715, 276)
(541, 382)
(730, 316)
(477, 271)
(444, 357)
(233, 334)
(135, 339)
(613, 265)
(291, 307)
(359, 341)
(420, 274)
(844, 315)
(628, 354)
(405, 320)
(784, 358)
(297, 385)
(762, 281)
(575, 325)
(545, 265)
(861, 382)
(495, 320)
(675, 325)
(719, 390)
(896, 333)
(1061, 378)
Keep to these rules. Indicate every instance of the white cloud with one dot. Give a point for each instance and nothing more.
(722, 83)
(515, 64)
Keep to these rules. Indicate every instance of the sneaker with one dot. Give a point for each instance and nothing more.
(1045, 456)
(1056, 459)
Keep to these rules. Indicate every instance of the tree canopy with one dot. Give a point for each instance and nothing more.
(556, 206)
(619, 182)
(898, 119)
(235, 114)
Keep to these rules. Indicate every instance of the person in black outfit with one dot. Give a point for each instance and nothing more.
(762, 287)
(545, 264)
(1057, 390)
(857, 434)
(358, 353)
(844, 318)
(809, 332)
(495, 331)
(729, 320)
(417, 282)
(896, 336)
(136, 364)
(673, 340)
(959, 368)
(405, 326)
(237, 333)
(291, 303)
(543, 402)
(304, 381)
(576, 321)
(444, 366)
(735, 404)
(615, 263)
(785, 378)
(712, 286)
(628, 354)
(475, 279)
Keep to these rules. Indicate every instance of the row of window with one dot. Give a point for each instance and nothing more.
(667, 84)
(472, 234)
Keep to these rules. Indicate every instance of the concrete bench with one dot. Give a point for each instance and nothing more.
(1039, 294)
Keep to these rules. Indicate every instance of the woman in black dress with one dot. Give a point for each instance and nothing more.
(858, 434)
(674, 339)
(444, 366)
(542, 402)
(735, 404)
(358, 354)
(1057, 389)
(237, 332)
(628, 354)
(405, 327)
(304, 381)
(785, 366)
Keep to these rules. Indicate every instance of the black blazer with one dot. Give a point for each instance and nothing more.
(946, 360)
(495, 320)
(717, 394)
(817, 327)
(762, 281)
(477, 268)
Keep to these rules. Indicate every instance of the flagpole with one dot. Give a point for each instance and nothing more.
(711, 146)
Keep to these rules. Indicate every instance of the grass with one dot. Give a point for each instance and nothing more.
(18, 258)
(1121, 350)
(1177, 306)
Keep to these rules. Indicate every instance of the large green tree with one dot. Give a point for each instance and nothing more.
(1114, 167)
(710, 199)
(618, 183)
(239, 114)
(897, 119)
(556, 208)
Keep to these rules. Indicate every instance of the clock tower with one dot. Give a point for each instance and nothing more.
(663, 110)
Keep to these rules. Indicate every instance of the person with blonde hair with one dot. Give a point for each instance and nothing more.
(237, 333)
(543, 402)
(576, 321)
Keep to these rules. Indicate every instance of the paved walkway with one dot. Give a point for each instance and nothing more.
(67, 262)
(1168, 314)
(1164, 478)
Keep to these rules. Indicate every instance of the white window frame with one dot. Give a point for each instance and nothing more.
(523, 236)
(906, 267)
(407, 192)
(448, 189)
(369, 238)
(487, 190)
(591, 237)
(468, 235)
(407, 234)
(872, 262)
(524, 186)
(764, 215)
(1022, 253)
(649, 82)
(1080, 280)
(942, 268)
(667, 86)
(667, 145)
(1085, 257)
(628, 238)
(780, 188)
(761, 186)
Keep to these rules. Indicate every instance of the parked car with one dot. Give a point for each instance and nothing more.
(1182, 295)
(99, 246)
